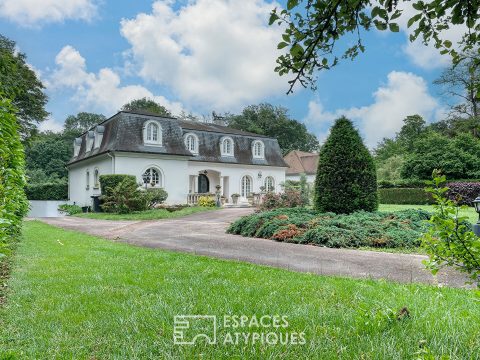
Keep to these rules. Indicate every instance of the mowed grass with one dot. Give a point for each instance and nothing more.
(469, 212)
(76, 296)
(155, 214)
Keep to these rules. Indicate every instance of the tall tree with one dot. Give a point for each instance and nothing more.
(20, 83)
(82, 122)
(274, 121)
(346, 178)
(313, 28)
(148, 105)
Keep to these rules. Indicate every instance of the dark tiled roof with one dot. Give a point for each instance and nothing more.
(124, 132)
(300, 162)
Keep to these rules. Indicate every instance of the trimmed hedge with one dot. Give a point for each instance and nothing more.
(111, 182)
(407, 196)
(47, 191)
(404, 183)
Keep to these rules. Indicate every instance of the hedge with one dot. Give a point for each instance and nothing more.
(47, 191)
(404, 183)
(409, 196)
(111, 181)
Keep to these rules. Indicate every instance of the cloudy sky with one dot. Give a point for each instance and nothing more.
(204, 55)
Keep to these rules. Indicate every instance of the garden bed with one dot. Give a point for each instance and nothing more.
(400, 229)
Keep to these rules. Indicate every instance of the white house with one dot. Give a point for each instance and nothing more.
(183, 157)
(301, 162)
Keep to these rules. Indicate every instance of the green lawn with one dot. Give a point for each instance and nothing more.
(77, 296)
(470, 212)
(147, 215)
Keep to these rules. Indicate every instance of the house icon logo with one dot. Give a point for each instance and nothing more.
(189, 329)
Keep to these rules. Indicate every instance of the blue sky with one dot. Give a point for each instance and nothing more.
(211, 55)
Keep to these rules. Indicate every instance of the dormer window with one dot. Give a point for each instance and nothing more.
(191, 142)
(152, 133)
(258, 149)
(226, 146)
(77, 143)
(90, 140)
(98, 136)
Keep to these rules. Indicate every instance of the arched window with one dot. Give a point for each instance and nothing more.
(269, 184)
(226, 146)
(191, 142)
(258, 149)
(153, 177)
(152, 133)
(87, 179)
(246, 186)
(96, 183)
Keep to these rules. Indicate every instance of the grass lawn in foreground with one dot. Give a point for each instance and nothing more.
(76, 296)
(469, 212)
(154, 214)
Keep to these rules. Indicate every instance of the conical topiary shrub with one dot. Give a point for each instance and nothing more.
(346, 177)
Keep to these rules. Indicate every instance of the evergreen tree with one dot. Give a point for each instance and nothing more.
(346, 178)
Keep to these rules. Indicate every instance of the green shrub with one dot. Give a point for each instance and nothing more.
(288, 199)
(403, 183)
(346, 178)
(70, 209)
(124, 198)
(300, 225)
(13, 202)
(110, 182)
(154, 197)
(48, 191)
(206, 201)
(411, 196)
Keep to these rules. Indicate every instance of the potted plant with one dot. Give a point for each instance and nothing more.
(235, 198)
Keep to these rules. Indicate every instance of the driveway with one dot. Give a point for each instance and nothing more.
(204, 234)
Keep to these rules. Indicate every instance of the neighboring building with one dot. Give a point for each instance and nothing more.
(183, 157)
(300, 162)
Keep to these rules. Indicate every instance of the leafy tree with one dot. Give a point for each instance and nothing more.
(81, 122)
(13, 203)
(346, 179)
(313, 28)
(449, 240)
(390, 169)
(20, 83)
(147, 105)
(269, 120)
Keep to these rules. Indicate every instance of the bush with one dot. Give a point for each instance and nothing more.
(463, 192)
(70, 209)
(110, 182)
(154, 197)
(403, 183)
(48, 191)
(346, 179)
(408, 196)
(300, 225)
(13, 202)
(124, 198)
(287, 199)
(206, 201)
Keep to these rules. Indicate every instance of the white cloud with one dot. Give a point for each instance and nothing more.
(404, 94)
(34, 12)
(100, 92)
(212, 53)
(50, 125)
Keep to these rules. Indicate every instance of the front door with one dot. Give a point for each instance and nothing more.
(203, 184)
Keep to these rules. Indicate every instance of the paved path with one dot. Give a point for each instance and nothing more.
(204, 234)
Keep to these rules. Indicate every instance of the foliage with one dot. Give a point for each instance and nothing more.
(450, 240)
(147, 105)
(287, 199)
(154, 197)
(359, 229)
(346, 178)
(20, 83)
(152, 214)
(124, 198)
(70, 209)
(403, 183)
(312, 30)
(390, 169)
(274, 121)
(206, 201)
(13, 203)
(78, 124)
(463, 193)
(110, 182)
(57, 190)
(301, 186)
(412, 196)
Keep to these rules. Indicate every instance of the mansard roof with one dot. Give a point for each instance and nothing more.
(123, 132)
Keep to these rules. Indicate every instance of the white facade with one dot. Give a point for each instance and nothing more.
(296, 177)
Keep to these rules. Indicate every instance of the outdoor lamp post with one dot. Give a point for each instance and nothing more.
(476, 227)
